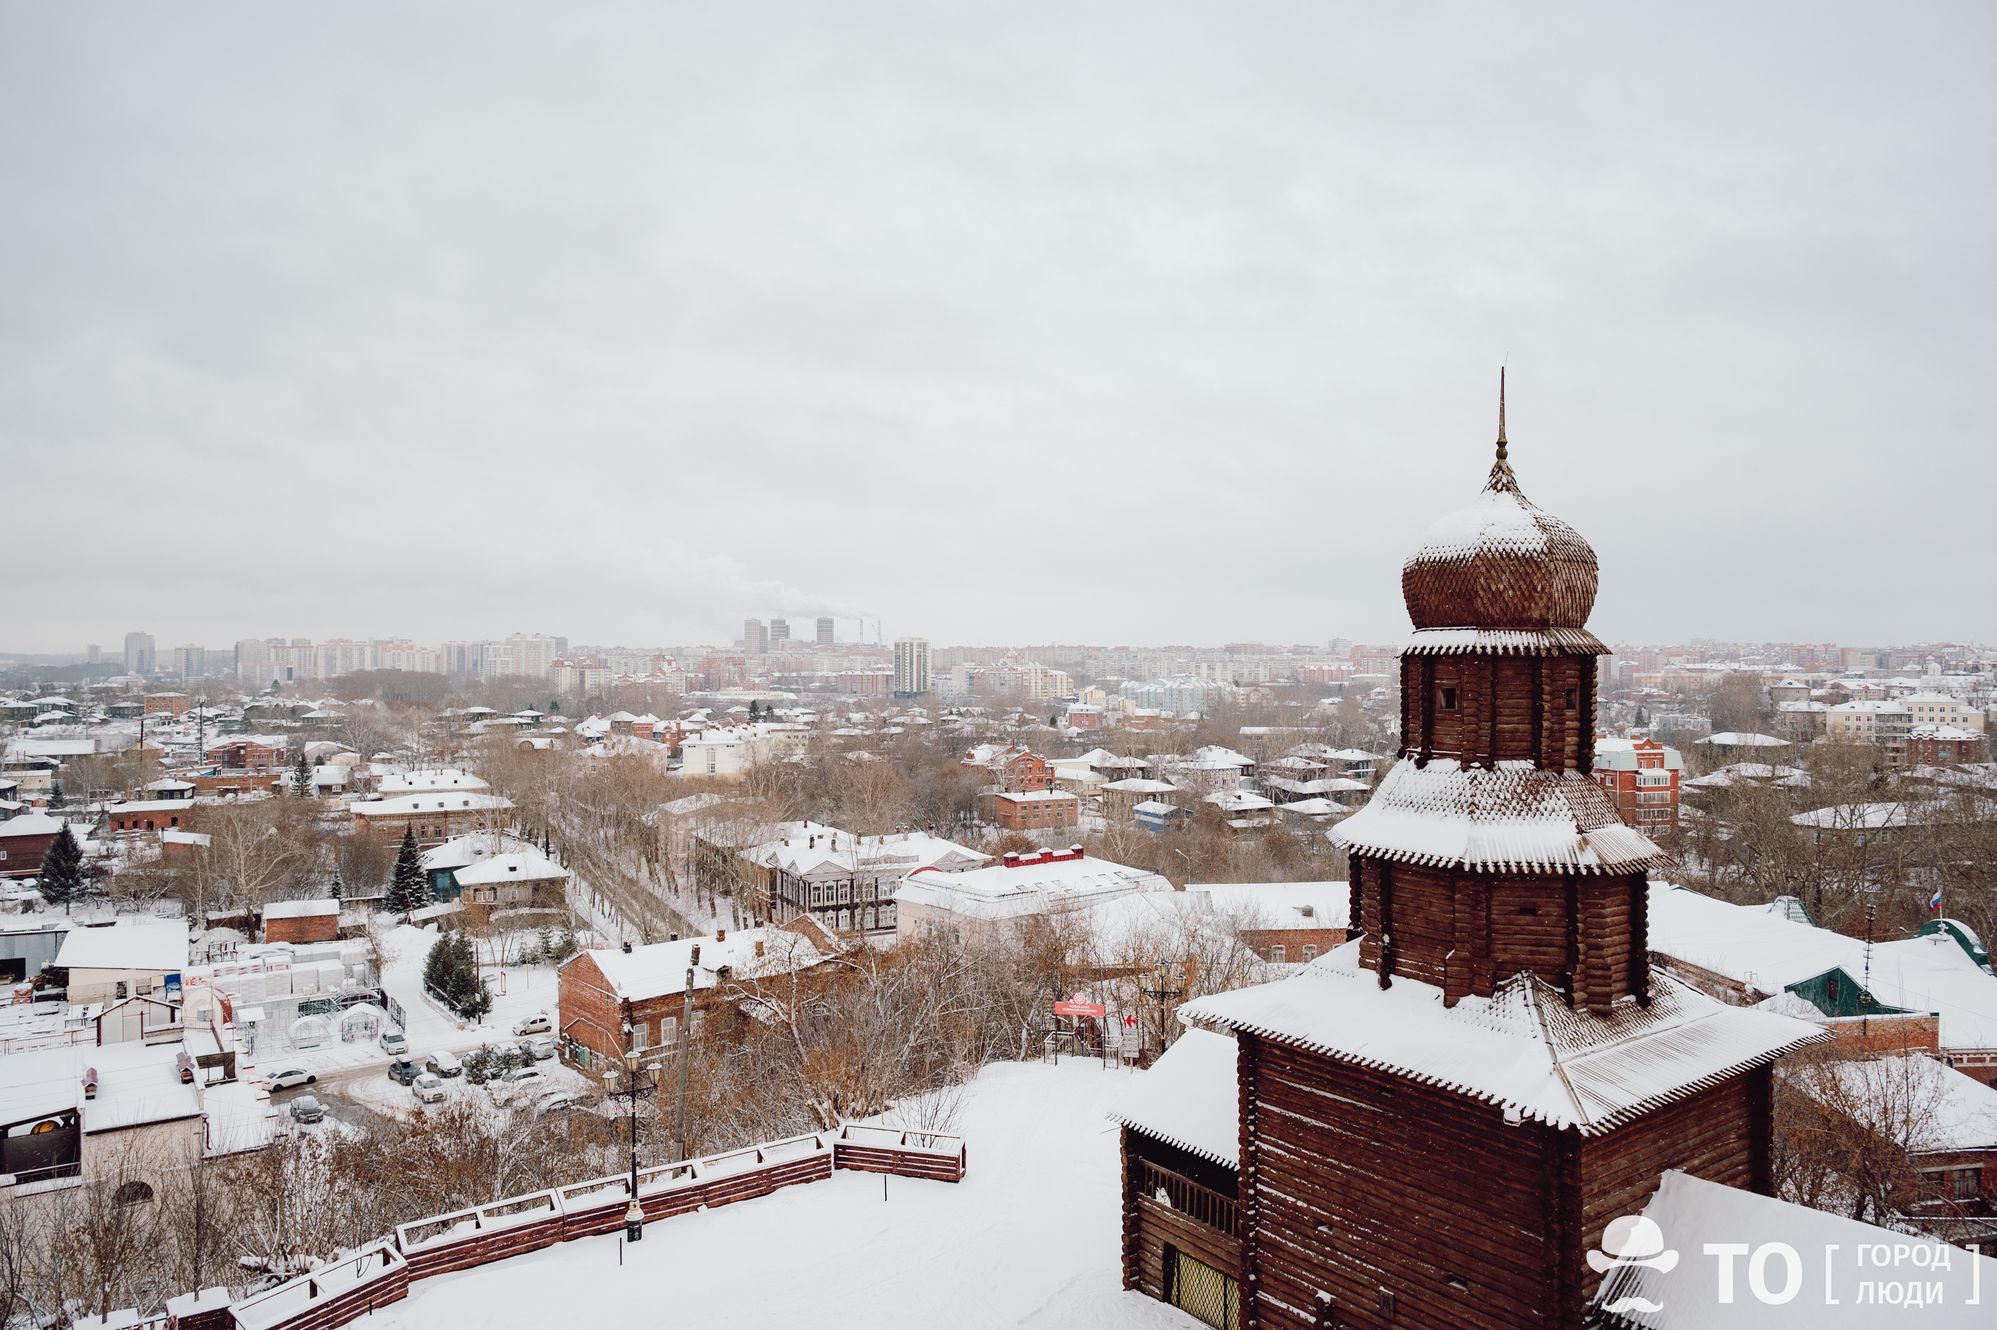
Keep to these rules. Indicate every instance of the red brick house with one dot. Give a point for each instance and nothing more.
(1641, 776)
(1284, 922)
(1945, 746)
(1014, 770)
(435, 818)
(249, 752)
(142, 815)
(166, 704)
(615, 1001)
(302, 921)
(1033, 810)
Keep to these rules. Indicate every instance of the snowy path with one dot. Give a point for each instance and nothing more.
(1029, 1238)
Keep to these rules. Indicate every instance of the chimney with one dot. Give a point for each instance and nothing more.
(720, 935)
(759, 948)
(1308, 911)
(672, 937)
(695, 958)
(627, 946)
(1076, 851)
(1012, 858)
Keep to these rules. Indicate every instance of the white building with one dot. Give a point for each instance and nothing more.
(911, 666)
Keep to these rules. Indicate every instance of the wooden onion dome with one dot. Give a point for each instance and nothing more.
(1500, 569)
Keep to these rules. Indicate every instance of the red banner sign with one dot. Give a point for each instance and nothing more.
(1079, 1009)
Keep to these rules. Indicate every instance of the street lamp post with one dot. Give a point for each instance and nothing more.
(636, 1084)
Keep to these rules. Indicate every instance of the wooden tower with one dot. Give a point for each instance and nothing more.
(1439, 1119)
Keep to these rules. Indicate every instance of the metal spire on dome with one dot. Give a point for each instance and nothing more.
(1501, 413)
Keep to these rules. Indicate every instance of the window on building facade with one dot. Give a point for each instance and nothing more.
(1277, 954)
(1310, 953)
(1448, 697)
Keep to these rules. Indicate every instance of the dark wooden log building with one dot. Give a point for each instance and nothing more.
(1437, 1121)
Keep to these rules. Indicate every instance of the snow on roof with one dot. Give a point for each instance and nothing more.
(31, 824)
(1034, 796)
(1942, 1108)
(301, 909)
(137, 1083)
(1189, 1098)
(453, 801)
(1512, 817)
(419, 782)
(659, 969)
(1760, 773)
(127, 945)
(804, 848)
(1503, 641)
(1769, 952)
(461, 850)
(1524, 1048)
(1281, 904)
(1030, 1236)
(1738, 739)
(1697, 1217)
(520, 866)
(1052, 884)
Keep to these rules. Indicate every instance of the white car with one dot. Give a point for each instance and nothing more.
(538, 1023)
(442, 1063)
(543, 1048)
(428, 1089)
(290, 1078)
(508, 1082)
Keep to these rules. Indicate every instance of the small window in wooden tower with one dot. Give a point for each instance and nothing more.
(1573, 699)
(1448, 697)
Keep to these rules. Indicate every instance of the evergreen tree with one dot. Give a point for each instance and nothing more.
(406, 889)
(338, 891)
(451, 975)
(301, 777)
(62, 870)
(56, 797)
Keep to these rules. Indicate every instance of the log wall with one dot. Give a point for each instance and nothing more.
(1537, 709)
(1467, 932)
(1361, 1182)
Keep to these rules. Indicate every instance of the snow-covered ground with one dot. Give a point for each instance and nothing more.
(394, 1099)
(517, 990)
(1029, 1238)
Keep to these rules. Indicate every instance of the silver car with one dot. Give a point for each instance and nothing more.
(307, 1108)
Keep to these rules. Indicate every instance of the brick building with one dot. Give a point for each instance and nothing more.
(1014, 770)
(166, 704)
(435, 818)
(302, 921)
(615, 1001)
(250, 752)
(1945, 746)
(1641, 776)
(1285, 922)
(1033, 810)
(143, 815)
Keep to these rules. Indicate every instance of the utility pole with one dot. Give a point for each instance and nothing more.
(686, 1046)
(635, 1087)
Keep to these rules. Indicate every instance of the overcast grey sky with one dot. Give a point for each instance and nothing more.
(1008, 322)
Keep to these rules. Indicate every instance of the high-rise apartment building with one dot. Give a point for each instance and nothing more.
(911, 666)
(140, 653)
(779, 630)
(755, 638)
(825, 630)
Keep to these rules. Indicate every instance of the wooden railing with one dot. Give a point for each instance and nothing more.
(1202, 1205)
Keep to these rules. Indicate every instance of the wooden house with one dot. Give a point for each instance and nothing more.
(1439, 1119)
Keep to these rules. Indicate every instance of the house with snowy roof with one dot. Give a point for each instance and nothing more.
(977, 901)
(1439, 1118)
(616, 1001)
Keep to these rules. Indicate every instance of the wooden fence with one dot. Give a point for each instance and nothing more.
(379, 1274)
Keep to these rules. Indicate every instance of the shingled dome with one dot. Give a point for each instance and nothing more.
(1500, 563)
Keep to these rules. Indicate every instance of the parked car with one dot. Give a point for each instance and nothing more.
(507, 1085)
(542, 1048)
(441, 1063)
(404, 1070)
(395, 1042)
(290, 1076)
(428, 1089)
(555, 1101)
(307, 1108)
(538, 1023)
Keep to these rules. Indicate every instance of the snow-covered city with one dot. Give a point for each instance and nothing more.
(1085, 793)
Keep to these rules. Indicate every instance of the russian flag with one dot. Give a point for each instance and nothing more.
(1935, 901)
